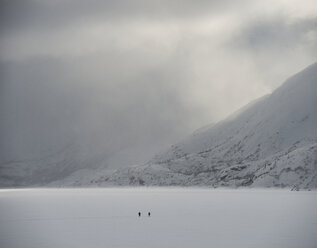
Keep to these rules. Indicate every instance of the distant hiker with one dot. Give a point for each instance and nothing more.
(149, 214)
(139, 214)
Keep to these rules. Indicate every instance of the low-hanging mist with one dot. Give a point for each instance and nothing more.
(122, 80)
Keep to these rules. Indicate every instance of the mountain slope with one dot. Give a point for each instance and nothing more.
(43, 170)
(271, 142)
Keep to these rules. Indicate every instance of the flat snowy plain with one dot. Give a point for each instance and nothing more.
(89, 218)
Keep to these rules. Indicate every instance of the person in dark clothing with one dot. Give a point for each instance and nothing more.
(149, 214)
(139, 214)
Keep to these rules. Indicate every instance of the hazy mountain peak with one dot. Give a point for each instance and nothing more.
(271, 142)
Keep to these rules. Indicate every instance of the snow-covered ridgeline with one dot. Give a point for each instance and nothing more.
(271, 142)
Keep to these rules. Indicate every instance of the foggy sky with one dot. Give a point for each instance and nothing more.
(127, 79)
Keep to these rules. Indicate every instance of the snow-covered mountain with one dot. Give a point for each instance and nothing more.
(271, 142)
(45, 169)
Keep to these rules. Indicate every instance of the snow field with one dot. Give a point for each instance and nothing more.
(82, 218)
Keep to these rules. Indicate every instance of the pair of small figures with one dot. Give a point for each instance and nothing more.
(148, 214)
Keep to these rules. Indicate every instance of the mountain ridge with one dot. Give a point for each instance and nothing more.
(269, 143)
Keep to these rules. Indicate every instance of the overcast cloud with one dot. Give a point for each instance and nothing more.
(129, 78)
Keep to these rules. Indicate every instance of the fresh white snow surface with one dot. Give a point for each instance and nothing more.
(82, 218)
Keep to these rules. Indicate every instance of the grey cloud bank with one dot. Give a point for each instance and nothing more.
(125, 79)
